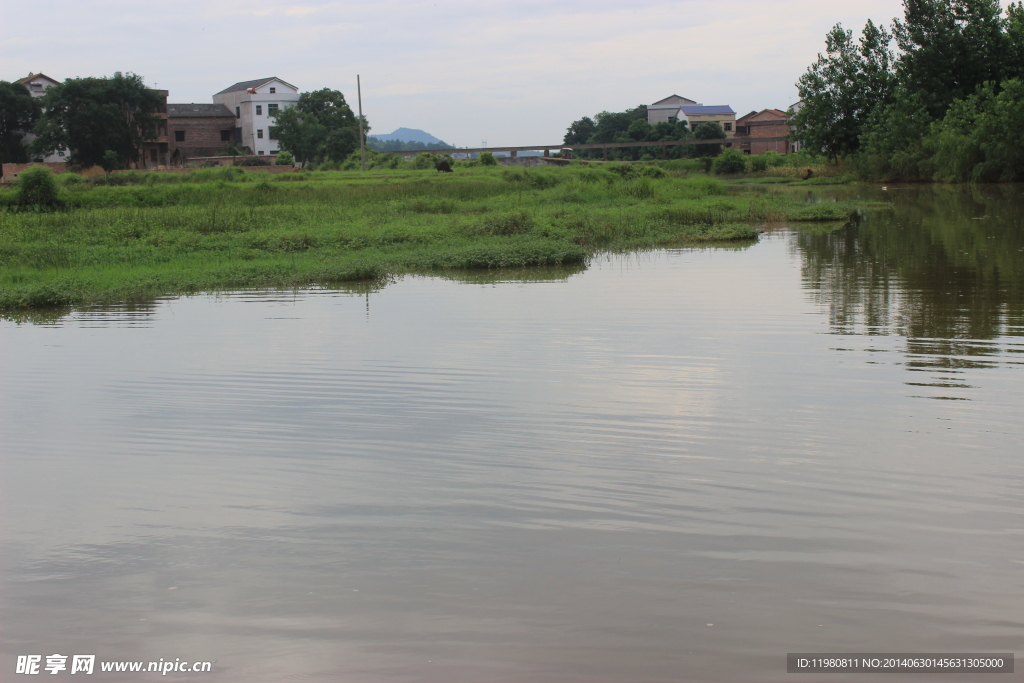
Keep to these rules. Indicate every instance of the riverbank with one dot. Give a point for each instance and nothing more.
(221, 229)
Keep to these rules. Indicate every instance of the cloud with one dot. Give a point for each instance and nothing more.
(513, 72)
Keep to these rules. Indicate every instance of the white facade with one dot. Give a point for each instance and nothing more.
(254, 103)
(667, 109)
(37, 85)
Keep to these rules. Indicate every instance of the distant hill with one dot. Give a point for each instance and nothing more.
(411, 135)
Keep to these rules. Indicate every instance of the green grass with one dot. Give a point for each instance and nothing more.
(158, 234)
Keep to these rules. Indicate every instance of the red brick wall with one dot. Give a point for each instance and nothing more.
(199, 131)
(769, 128)
(10, 171)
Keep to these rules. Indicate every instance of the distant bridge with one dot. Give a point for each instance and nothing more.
(603, 146)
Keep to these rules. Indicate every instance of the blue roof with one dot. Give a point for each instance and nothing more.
(713, 109)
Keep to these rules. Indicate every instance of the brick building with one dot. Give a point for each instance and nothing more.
(767, 123)
(154, 152)
(255, 104)
(200, 130)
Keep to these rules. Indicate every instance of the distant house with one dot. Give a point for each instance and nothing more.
(254, 104)
(794, 109)
(37, 85)
(767, 123)
(154, 151)
(667, 109)
(200, 130)
(719, 113)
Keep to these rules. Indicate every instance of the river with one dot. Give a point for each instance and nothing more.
(675, 465)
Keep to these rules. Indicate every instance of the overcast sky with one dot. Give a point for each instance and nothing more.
(514, 73)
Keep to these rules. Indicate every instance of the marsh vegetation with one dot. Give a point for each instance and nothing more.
(132, 236)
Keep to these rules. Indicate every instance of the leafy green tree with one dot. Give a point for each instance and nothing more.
(841, 89)
(949, 48)
(580, 132)
(892, 142)
(91, 116)
(979, 137)
(1013, 60)
(18, 113)
(285, 158)
(320, 126)
(639, 130)
(709, 130)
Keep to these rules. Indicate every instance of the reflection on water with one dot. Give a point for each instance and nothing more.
(674, 465)
(943, 270)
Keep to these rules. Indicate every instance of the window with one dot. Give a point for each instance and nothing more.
(271, 110)
(273, 90)
(272, 133)
(238, 112)
(273, 151)
(179, 136)
(152, 155)
(260, 152)
(259, 133)
(225, 135)
(727, 125)
(259, 110)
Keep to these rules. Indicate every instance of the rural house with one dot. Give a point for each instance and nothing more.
(200, 130)
(254, 104)
(767, 123)
(667, 109)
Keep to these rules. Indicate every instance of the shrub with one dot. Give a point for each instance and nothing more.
(638, 189)
(509, 223)
(758, 163)
(38, 188)
(285, 158)
(254, 161)
(424, 160)
(487, 159)
(729, 162)
(653, 172)
(774, 159)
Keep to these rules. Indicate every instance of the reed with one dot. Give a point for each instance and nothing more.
(210, 230)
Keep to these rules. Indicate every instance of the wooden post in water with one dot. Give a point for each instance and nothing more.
(362, 138)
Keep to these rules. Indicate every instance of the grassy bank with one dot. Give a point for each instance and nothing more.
(162, 234)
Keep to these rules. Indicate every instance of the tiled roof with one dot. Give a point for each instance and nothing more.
(245, 85)
(713, 109)
(180, 111)
(31, 77)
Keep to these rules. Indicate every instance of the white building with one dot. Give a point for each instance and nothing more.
(37, 85)
(254, 103)
(667, 109)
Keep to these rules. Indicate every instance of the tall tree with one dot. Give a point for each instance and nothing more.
(949, 48)
(18, 113)
(840, 90)
(94, 116)
(580, 132)
(320, 126)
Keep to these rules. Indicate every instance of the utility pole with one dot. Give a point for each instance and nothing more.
(362, 138)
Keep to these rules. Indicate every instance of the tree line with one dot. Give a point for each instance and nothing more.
(379, 145)
(632, 126)
(937, 95)
(105, 121)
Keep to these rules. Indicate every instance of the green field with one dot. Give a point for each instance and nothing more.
(135, 236)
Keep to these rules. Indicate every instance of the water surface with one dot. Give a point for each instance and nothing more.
(676, 465)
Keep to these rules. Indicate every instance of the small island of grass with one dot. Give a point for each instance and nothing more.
(133, 236)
